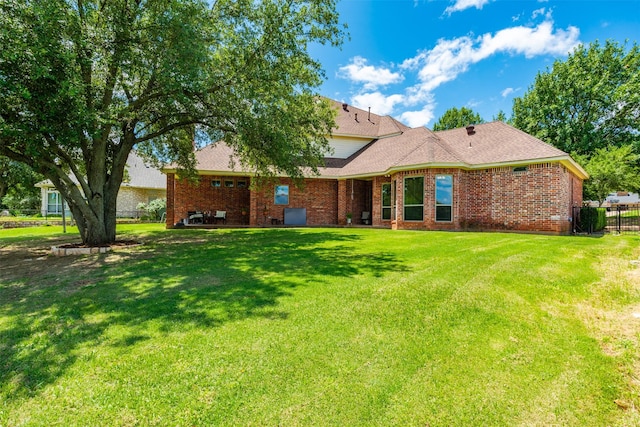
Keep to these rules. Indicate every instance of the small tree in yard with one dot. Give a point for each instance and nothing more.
(610, 169)
(83, 82)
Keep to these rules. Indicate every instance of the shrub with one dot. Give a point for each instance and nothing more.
(592, 219)
(154, 209)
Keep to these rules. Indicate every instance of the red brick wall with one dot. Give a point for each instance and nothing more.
(184, 196)
(343, 208)
(538, 199)
(318, 196)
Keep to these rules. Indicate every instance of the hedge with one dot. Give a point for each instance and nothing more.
(592, 219)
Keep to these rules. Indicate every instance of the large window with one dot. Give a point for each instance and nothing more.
(414, 198)
(444, 198)
(386, 201)
(54, 203)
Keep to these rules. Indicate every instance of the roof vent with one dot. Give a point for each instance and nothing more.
(470, 130)
(344, 107)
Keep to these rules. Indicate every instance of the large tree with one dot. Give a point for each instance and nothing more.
(590, 100)
(457, 118)
(83, 82)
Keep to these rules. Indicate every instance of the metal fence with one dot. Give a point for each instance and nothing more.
(614, 219)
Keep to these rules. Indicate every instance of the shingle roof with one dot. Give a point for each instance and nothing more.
(395, 146)
(217, 157)
(354, 121)
(143, 176)
(496, 142)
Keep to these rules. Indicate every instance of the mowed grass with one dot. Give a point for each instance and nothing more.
(336, 327)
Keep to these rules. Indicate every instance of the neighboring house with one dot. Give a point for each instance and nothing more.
(485, 177)
(141, 184)
(622, 198)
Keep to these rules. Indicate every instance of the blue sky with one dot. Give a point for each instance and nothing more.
(415, 59)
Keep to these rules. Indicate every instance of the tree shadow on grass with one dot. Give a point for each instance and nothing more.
(177, 280)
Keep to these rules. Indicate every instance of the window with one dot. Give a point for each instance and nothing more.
(281, 195)
(386, 201)
(228, 183)
(215, 183)
(414, 198)
(394, 199)
(241, 184)
(54, 202)
(444, 198)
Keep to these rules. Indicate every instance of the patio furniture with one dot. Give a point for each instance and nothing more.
(366, 217)
(195, 217)
(220, 215)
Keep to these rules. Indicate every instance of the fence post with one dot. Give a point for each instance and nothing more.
(619, 220)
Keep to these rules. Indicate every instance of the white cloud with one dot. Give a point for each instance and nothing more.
(538, 12)
(372, 77)
(379, 103)
(450, 58)
(420, 117)
(508, 91)
(446, 61)
(460, 5)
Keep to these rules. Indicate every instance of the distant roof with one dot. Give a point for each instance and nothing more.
(139, 173)
(623, 197)
(394, 146)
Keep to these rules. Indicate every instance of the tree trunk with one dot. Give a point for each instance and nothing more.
(94, 209)
(96, 230)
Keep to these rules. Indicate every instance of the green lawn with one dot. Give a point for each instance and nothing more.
(342, 327)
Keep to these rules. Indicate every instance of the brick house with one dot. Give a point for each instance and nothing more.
(484, 177)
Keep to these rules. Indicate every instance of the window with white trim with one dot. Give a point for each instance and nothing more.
(386, 201)
(54, 203)
(414, 198)
(444, 198)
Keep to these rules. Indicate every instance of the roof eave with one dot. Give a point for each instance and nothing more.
(566, 161)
